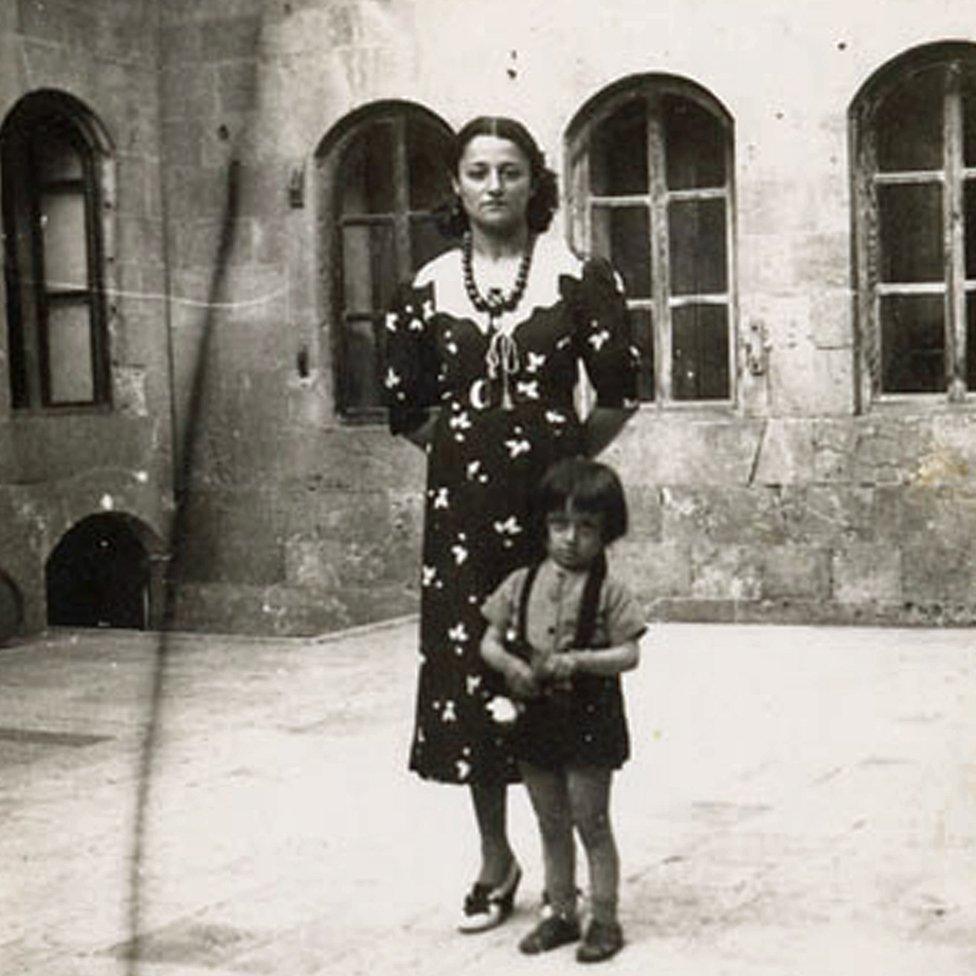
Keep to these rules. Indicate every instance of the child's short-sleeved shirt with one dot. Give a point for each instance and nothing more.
(588, 727)
(554, 607)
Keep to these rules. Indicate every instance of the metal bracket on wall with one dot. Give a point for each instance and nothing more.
(757, 348)
(296, 188)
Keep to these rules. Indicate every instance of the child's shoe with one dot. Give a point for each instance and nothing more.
(553, 931)
(602, 940)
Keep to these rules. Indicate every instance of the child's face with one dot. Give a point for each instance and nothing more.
(574, 539)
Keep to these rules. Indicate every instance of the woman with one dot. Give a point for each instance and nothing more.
(482, 361)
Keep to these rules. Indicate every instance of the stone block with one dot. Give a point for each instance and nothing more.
(796, 572)
(828, 515)
(644, 512)
(730, 515)
(653, 569)
(188, 91)
(939, 573)
(670, 450)
(179, 44)
(232, 537)
(226, 38)
(822, 260)
(831, 323)
(182, 142)
(834, 443)
(785, 454)
(41, 19)
(726, 572)
(694, 611)
(237, 86)
(867, 574)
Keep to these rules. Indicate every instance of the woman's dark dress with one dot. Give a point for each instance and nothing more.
(483, 463)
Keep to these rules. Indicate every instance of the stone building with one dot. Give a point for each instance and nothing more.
(207, 202)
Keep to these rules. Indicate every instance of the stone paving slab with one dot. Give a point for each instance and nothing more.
(802, 802)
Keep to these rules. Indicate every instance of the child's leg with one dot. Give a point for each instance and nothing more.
(589, 798)
(550, 800)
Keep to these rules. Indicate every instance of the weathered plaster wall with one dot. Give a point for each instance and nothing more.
(57, 468)
(788, 506)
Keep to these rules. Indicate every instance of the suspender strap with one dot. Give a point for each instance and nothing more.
(586, 622)
(589, 605)
(523, 606)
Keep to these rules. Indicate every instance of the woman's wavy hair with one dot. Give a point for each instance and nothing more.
(451, 219)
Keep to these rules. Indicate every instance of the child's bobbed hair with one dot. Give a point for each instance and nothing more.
(587, 486)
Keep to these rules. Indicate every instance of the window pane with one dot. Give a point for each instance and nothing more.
(361, 366)
(908, 126)
(969, 218)
(426, 241)
(642, 320)
(910, 229)
(696, 237)
(969, 119)
(366, 172)
(971, 343)
(912, 344)
(623, 236)
(65, 244)
(69, 354)
(700, 358)
(427, 155)
(56, 158)
(618, 152)
(369, 266)
(694, 144)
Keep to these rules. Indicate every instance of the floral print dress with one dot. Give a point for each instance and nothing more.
(506, 412)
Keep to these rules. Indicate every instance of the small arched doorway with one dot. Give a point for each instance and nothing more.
(98, 575)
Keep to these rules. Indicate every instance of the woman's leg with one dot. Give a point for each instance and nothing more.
(490, 810)
(589, 797)
(547, 791)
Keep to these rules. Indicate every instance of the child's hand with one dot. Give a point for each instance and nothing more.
(521, 680)
(560, 667)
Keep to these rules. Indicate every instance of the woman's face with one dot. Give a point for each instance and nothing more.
(494, 182)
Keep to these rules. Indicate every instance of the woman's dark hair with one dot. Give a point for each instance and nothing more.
(584, 486)
(452, 221)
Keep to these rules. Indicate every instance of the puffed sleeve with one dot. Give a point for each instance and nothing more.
(411, 367)
(501, 607)
(625, 619)
(604, 336)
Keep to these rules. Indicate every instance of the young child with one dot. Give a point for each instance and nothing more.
(560, 633)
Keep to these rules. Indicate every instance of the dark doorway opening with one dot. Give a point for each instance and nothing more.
(98, 576)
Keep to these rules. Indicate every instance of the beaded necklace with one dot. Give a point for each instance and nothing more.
(496, 301)
(501, 359)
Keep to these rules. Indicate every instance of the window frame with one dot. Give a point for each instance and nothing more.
(28, 325)
(332, 222)
(652, 89)
(953, 58)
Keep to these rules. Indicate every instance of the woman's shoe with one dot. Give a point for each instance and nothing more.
(553, 931)
(602, 940)
(487, 906)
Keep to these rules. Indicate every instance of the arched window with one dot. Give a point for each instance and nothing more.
(650, 188)
(383, 169)
(914, 136)
(52, 155)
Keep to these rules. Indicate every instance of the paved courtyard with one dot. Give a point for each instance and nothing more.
(802, 802)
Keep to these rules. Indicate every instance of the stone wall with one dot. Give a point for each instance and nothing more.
(56, 468)
(788, 506)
